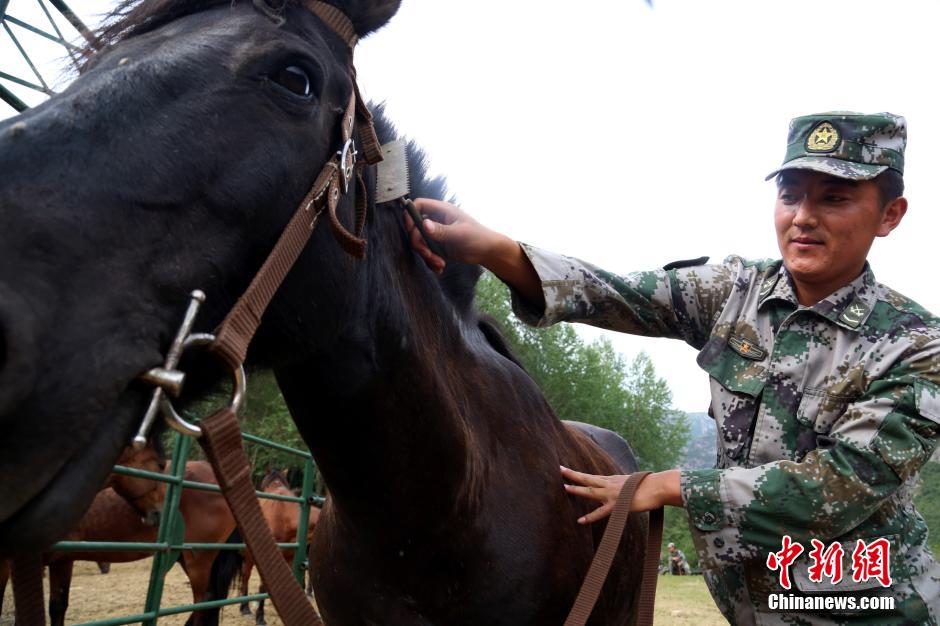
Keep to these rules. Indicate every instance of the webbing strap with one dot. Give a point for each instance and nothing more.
(222, 441)
(27, 590)
(600, 566)
(338, 21)
(238, 328)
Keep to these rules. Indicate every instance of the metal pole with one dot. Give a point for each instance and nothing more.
(10, 98)
(163, 561)
(74, 21)
(300, 556)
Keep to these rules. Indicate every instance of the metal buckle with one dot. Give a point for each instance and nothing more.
(348, 153)
(168, 379)
(174, 420)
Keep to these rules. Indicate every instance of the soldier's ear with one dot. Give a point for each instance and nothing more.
(891, 216)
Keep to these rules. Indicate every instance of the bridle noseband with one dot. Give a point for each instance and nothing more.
(336, 178)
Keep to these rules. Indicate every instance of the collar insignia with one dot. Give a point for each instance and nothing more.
(854, 314)
(823, 138)
(767, 286)
(746, 348)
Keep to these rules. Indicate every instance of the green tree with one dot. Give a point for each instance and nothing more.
(590, 382)
(264, 415)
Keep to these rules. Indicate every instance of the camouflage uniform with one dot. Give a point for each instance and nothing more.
(825, 415)
(676, 562)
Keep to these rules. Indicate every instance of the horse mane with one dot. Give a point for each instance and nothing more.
(136, 17)
(458, 281)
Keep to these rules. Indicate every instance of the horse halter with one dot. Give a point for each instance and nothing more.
(220, 434)
(231, 340)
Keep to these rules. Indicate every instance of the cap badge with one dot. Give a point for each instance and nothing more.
(823, 138)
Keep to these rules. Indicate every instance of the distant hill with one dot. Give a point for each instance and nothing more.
(927, 502)
(699, 453)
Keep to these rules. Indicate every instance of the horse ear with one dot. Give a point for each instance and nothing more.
(367, 15)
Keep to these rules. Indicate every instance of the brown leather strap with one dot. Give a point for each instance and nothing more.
(222, 442)
(221, 436)
(368, 140)
(336, 20)
(238, 328)
(600, 566)
(654, 543)
(27, 590)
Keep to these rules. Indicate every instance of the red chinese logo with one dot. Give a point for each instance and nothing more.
(826, 562)
(872, 561)
(783, 559)
(869, 560)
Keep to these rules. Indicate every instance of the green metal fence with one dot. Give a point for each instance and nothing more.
(47, 25)
(170, 535)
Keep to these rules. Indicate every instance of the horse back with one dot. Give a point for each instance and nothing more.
(610, 442)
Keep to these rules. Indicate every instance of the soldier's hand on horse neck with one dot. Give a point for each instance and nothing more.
(467, 241)
(657, 490)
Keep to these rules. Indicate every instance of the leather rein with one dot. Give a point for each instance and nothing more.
(220, 434)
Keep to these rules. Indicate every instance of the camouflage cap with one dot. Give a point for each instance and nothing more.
(846, 144)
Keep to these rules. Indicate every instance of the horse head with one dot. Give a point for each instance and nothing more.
(275, 478)
(145, 495)
(171, 163)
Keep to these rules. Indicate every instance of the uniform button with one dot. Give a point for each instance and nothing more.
(719, 542)
(708, 518)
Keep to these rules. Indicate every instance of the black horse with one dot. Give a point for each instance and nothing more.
(172, 163)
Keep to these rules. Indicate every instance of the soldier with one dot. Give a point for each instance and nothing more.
(824, 382)
(678, 565)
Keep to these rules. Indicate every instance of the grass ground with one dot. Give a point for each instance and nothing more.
(684, 600)
(680, 600)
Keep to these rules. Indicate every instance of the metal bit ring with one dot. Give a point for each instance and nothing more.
(174, 420)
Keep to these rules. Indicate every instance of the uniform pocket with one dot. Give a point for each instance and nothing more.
(737, 383)
(819, 409)
(734, 372)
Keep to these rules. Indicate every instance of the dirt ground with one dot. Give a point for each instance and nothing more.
(96, 596)
(680, 600)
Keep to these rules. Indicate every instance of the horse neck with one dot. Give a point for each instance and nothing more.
(388, 411)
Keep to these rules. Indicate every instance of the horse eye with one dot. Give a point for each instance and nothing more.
(294, 79)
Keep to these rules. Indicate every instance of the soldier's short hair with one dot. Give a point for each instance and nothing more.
(890, 186)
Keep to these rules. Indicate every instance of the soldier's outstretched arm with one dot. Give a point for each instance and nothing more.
(468, 241)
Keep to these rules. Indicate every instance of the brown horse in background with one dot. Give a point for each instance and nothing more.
(282, 518)
(139, 499)
(112, 518)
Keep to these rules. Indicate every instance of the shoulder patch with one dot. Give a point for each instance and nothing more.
(904, 304)
(702, 260)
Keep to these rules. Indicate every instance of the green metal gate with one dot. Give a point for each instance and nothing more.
(170, 536)
(52, 23)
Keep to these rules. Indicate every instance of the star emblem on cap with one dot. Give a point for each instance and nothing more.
(823, 138)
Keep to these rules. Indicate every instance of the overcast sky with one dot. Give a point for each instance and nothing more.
(632, 136)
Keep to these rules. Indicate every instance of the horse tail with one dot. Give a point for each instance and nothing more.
(226, 573)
